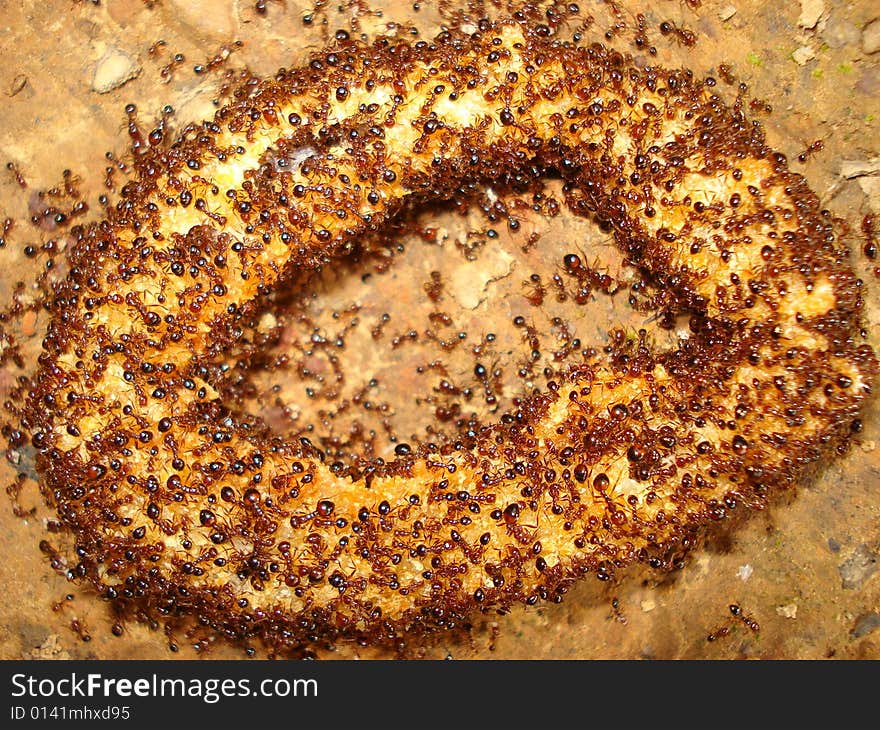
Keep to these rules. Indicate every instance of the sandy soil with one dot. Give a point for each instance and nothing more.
(801, 577)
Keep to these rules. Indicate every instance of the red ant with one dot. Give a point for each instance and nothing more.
(814, 147)
(725, 71)
(154, 49)
(19, 178)
(684, 36)
(870, 247)
(760, 106)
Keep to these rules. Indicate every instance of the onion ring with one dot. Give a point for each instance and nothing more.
(180, 506)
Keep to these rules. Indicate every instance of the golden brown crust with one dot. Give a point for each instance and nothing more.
(179, 505)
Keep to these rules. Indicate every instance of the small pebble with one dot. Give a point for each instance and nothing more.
(803, 54)
(858, 567)
(840, 31)
(18, 83)
(859, 168)
(865, 624)
(811, 12)
(113, 70)
(727, 12)
(871, 37)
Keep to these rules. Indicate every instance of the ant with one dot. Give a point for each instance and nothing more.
(813, 148)
(154, 49)
(868, 229)
(725, 71)
(760, 106)
(684, 36)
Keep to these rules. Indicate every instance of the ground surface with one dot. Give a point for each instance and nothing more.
(801, 577)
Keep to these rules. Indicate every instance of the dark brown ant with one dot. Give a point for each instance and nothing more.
(737, 614)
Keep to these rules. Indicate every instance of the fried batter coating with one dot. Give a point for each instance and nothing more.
(181, 506)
